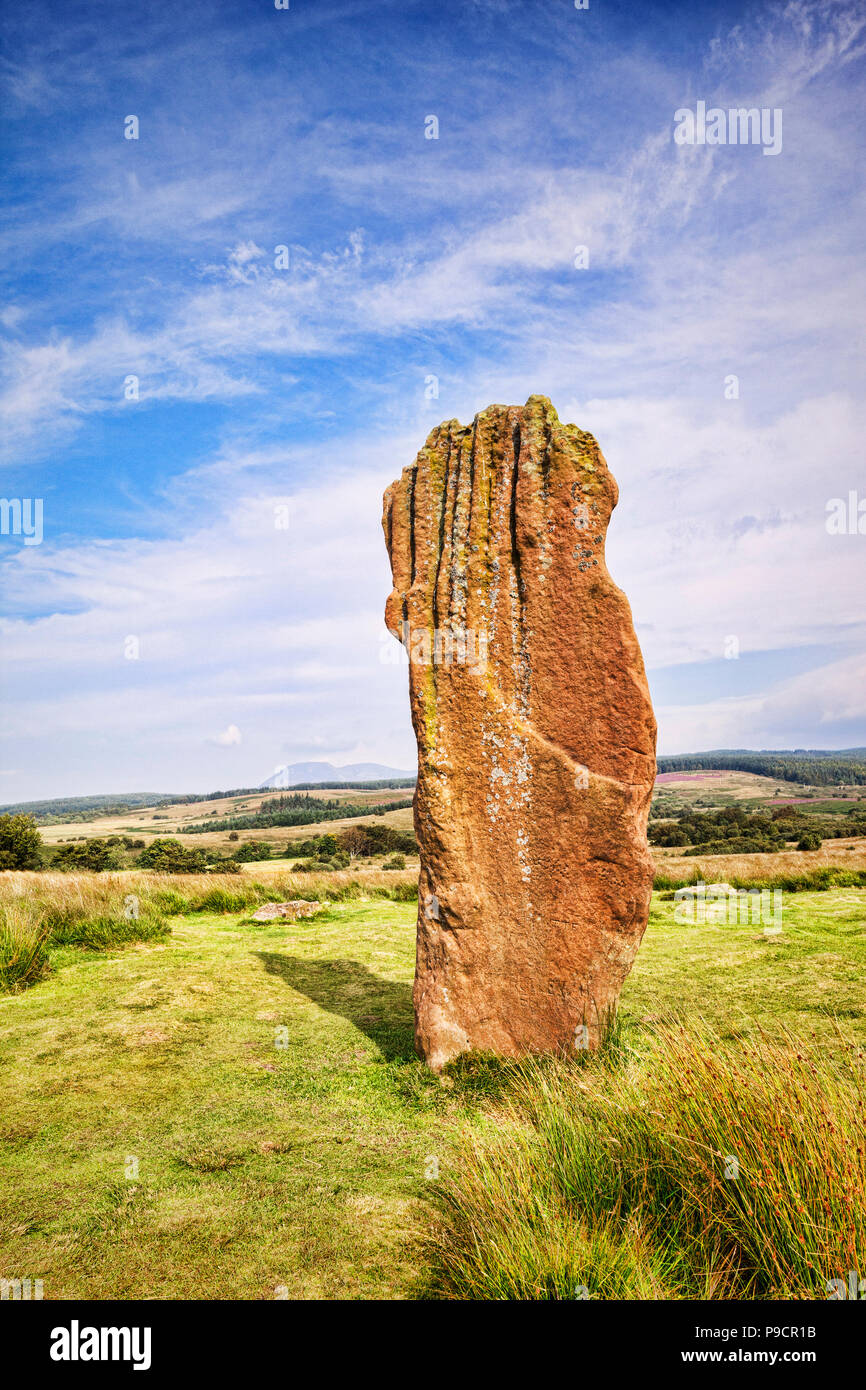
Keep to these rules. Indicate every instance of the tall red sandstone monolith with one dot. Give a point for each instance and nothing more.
(536, 735)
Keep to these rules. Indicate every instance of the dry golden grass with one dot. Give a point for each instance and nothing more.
(719, 868)
(743, 786)
(99, 895)
(363, 868)
(23, 945)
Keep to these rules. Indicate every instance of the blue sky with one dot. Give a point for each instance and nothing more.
(263, 388)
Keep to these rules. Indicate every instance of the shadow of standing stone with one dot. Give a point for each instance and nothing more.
(380, 1008)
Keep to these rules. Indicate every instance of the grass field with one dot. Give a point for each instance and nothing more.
(237, 1111)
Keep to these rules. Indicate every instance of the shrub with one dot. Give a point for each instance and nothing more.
(397, 861)
(218, 865)
(323, 866)
(809, 841)
(252, 851)
(731, 826)
(358, 841)
(171, 857)
(405, 893)
(97, 855)
(734, 846)
(20, 843)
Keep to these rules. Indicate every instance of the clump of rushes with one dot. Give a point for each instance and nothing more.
(102, 932)
(23, 950)
(697, 1168)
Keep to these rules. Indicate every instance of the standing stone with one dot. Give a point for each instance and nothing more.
(536, 735)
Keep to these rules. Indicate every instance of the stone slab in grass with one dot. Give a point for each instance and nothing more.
(268, 912)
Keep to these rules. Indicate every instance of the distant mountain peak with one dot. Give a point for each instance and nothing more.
(291, 774)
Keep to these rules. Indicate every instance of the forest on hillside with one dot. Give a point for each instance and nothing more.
(818, 769)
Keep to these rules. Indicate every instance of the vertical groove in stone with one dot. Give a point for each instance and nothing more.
(512, 520)
(410, 489)
(441, 537)
(545, 460)
(453, 557)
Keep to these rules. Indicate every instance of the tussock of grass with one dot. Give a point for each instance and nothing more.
(223, 900)
(610, 1178)
(209, 1160)
(23, 952)
(101, 933)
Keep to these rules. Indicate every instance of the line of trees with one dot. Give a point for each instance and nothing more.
(61, 810)
(297, 809)
(736, 831)
(817, 769)
(382, 785)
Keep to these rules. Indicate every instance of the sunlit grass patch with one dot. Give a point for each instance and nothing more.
(43, 911)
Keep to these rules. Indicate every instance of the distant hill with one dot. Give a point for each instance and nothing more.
(84, 808)
(63, 809)
(815, 766)
(324, 774)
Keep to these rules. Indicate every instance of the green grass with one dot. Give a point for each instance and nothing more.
(610, 1177)
(30, 934)
(300, 1159)
(687, 1168)
(259, 1164)
(737, 978)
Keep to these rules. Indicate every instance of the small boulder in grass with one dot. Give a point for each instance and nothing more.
(268, 912)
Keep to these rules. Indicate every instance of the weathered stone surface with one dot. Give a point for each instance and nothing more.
(536, 736)
(298, 907)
